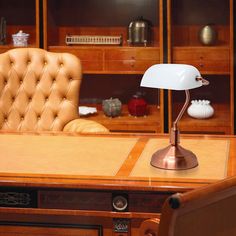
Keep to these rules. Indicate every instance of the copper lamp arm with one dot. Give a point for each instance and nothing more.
(174, 133)
(187, 99)
(175, 123)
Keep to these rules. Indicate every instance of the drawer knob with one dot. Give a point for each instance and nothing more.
(119, 203)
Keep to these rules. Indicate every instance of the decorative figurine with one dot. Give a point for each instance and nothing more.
(112, 107)
(208, 35)
(200, 109)
(139, 32)
(20, 39)
(137, 105)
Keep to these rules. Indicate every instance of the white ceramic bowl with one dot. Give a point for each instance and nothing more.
(200, 109)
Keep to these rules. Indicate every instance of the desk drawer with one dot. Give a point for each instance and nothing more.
(128, 65)
(77, 200)
(147, 202)
(101, 201)
(201, 53)
(151, 54)
(47, 229)
(130, 59)
(208, 67)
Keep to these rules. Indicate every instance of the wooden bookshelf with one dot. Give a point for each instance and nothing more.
(215, 62)
(21, 15)
(151, 123)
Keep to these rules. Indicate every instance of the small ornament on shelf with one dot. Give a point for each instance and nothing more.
(208, 35)
(139, 32)
(20, 39)
(112, 107)
(93, 40)
(137, 106)
(200, 109)
(85, 111)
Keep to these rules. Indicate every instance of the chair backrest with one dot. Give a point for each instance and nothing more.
(206, 211)
(39, 90)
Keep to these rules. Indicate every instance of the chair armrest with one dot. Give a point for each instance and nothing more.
(149, 227)
(83, 126)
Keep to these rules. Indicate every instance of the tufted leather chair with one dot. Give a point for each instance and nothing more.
(39, 91)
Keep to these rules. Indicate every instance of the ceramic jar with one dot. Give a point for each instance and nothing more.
(112, 107)
(20, 39)
(200, 109)
(139, 31)
(137, 106)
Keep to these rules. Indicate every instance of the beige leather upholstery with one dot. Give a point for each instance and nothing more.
(39, 91)
(85, 126)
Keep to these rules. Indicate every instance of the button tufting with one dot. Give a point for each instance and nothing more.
(46, 88)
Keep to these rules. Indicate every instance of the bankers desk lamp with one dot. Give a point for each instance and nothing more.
(174, 77)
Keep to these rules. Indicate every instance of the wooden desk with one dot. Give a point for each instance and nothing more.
(77, 185)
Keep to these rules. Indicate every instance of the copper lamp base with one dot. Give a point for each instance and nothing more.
(174, 157)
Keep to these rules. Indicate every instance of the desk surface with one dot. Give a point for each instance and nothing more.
(50, 183)
(109, 161)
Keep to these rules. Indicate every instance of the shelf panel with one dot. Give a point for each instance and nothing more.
(188, 35)
(92, 17)
(62, 31)
(113, 59)
(127, 123)
(219, 123)
(209, 60)
(4, 48)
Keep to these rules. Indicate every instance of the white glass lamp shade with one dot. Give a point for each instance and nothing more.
(172, 76)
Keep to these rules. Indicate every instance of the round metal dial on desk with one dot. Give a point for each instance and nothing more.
(119, 203)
